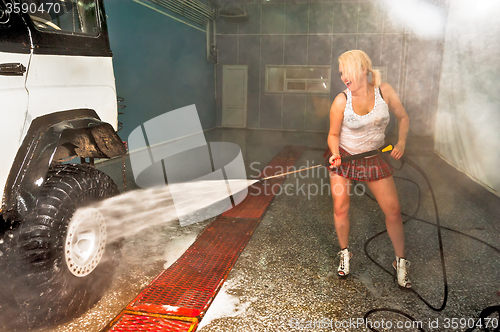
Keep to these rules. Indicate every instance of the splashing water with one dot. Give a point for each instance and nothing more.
(147, 221)
(128, 214)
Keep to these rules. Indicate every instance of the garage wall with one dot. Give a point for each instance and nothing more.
(305, 32)
(160, 64)
(468, 120)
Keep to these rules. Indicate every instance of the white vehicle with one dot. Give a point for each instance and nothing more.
(57, 101)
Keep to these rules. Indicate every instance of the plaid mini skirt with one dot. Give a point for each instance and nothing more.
(365, 169)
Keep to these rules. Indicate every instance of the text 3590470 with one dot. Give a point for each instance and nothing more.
(32, 8)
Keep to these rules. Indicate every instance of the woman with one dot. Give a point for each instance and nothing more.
(358, 118)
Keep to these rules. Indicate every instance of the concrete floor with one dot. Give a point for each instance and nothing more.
(285, 279)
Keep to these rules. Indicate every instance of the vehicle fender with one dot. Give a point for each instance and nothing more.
(50, 139)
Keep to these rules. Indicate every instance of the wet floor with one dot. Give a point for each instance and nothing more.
(285, 279)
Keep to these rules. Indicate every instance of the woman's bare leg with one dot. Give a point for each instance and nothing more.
(340, 192)
(387, 197)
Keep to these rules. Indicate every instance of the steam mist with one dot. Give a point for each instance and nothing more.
(131, 213)
(467, 120)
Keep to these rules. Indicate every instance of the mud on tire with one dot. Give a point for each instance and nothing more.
(45, 290)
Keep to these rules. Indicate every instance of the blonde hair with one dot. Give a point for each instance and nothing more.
(352, 64)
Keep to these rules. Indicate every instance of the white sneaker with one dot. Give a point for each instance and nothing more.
(345, 257)
(401, 271)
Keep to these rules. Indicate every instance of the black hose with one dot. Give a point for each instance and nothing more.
(486, 312)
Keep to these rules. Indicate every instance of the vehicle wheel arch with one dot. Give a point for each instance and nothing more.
(50, 139)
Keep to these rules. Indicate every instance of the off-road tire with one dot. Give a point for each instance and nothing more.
(45, 290)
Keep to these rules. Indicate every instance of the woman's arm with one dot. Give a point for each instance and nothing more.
(396, 107)
(336, 117)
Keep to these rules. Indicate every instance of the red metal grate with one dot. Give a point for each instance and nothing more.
(131, 322)
(291, 152)
(277, 166)
(188, 286)
(255, 204)
(185, 290)
(260, 194)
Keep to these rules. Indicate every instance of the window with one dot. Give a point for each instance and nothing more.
(298, 79)
(70, 16)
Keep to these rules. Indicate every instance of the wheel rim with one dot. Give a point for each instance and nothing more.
(85, 241)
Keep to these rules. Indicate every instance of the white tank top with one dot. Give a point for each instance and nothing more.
(361, 133)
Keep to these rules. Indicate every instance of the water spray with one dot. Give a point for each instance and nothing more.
(383, 149)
